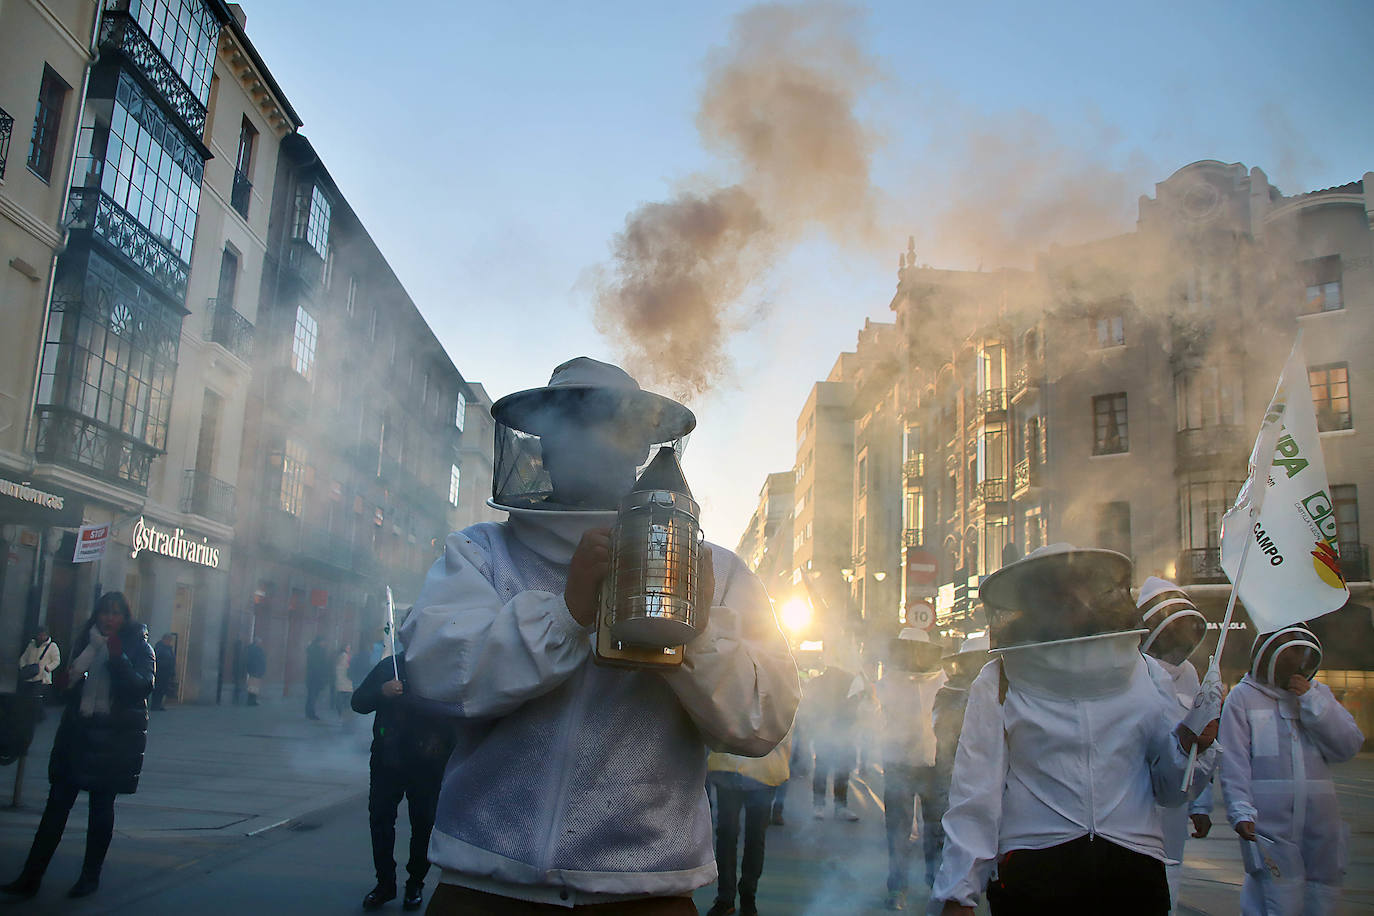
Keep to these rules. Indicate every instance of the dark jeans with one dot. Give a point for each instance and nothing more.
(902, 783)
(99, 829)
(1086, 875)
(832, 760)
(388, 786)
(312, 692)
(452, 900)
(757, 805)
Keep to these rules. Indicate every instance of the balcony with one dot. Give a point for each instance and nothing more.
(1025, 477)
(1201, 566)
(911, 537)
(6, 129)
(289, 391)
(992, 492)
(207, 496)
(989, 405)
(121, 32)
(1354, 561)
(914, 468)
(229, 329)
(304, 263)
(68, 438)
(91, 210)
(241, 194)
(1211, 447)
(1026, 382)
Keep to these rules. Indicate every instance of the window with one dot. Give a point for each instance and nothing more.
(991, 456)
(292, 495)
(228, 278)
(453, 478)
(1114, 527)
(1111, 332)
(1201, 506)
(862, 474)
(47, 123)
(1347, 510)
(242, 191)
(1331, 396)
(303, 343)
(1207, 397)
(1036, 533)
(145, 165)
(312, 218)
(1109, 424)
(459, 410)
(352, 295)
(996, 536)
(1323, 281)
(185, 32)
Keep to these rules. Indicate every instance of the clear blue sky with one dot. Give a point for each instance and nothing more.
(494, 150)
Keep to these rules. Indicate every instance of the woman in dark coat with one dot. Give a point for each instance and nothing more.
(100, 742)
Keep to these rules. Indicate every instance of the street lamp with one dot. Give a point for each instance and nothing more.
(880, 576)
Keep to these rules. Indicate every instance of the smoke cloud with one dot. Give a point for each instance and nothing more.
(778, 105)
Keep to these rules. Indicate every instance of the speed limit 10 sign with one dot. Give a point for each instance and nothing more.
(920, 614)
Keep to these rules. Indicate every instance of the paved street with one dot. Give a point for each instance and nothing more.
(259, 810)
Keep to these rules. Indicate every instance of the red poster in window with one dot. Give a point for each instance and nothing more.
(319, 598)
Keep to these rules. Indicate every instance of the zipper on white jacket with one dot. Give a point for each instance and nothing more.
(1088, 753)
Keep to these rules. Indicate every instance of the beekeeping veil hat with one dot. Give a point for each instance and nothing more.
(1264, 654)
(1166, 607)
(576, 443)
(912, 650)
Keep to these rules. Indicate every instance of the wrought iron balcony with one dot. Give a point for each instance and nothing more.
(911, 537)
(229, 329)
(90, 209)
(1025, 477)
(1026, 381)
(241, 194)
(993, 490)
(1201, 566)
(122, 33)
(988, 405)
(1211, 446)
(68, 438)
(1354, 561)
(207, 496)
(6, 129)
(914, 468)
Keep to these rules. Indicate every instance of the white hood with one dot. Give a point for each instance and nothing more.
(1076, 669)
(554, 533)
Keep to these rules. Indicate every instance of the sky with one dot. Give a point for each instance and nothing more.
(495, 152)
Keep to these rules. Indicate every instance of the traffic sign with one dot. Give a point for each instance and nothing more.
(920, 614)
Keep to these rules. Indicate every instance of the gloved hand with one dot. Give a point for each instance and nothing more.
(1206, 704)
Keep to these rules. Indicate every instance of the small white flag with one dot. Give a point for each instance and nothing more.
(1293, 571)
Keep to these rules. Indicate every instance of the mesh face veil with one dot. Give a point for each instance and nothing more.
(1177, 628)
(1296, 647)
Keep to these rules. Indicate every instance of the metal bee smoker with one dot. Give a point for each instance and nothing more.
(650, 599)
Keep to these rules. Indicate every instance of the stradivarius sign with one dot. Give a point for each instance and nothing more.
(175, 545)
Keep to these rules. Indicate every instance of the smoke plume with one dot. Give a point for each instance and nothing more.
(779, 106)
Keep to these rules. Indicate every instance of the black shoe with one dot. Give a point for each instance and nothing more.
(747, 908)
(721, 908)
(776, 820)
(379, 896)
(84, 886)
(23, 887)
(415, 895)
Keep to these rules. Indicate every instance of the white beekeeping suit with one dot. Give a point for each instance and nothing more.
(1176, 630)
(1276, 777)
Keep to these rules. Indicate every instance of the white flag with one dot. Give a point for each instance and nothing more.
(1293, 571)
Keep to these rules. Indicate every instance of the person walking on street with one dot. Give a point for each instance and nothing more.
(39, 660)
(317, 674)
(748, 784)
(254, 669)
(1282, 730)
(832, 703)
(906, 692)
(343, 683)
(100, 741)
(409, 749)
(574, 783)
(166, 653)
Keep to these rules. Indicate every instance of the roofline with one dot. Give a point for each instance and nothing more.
(241, 35)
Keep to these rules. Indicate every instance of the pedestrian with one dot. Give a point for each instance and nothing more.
(906, 694)
(796, 766)
(254, 669)
(747, 784)
(343, 684)
(947, 717)
(409, 749)
(575, 783)
(1282, 731)
(100, 740)
(1067, 750)
(1176, 629)
(317, 674)
(40, 658)
(833, 699)
(166, 653)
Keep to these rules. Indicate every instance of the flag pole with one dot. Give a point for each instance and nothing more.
(391, 629)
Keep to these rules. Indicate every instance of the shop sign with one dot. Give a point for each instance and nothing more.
(90, 543)
(175, 544)
(46, 505)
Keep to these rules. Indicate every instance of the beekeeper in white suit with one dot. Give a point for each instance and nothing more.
(1176, 628)
(1282, 730)
(1068, 749)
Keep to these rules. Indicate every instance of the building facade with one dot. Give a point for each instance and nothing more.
(766, 545)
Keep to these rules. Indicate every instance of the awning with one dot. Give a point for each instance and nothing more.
(27, 501)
